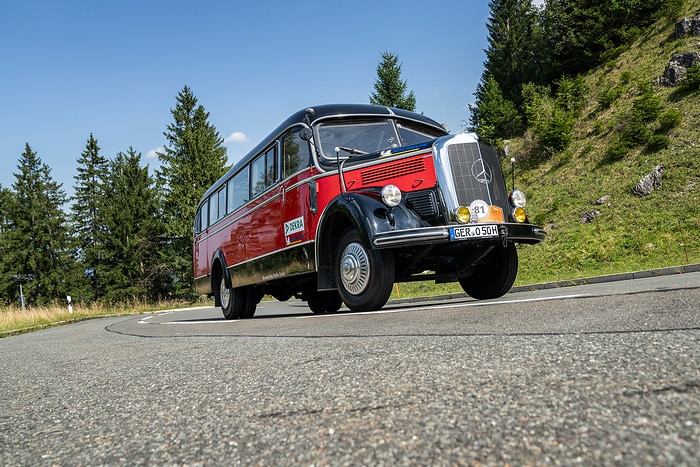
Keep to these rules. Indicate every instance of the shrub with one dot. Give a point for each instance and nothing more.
(670, 120)
(658, 142)
(646, 107)
(608, 96)
(617, 150)
(692, 78)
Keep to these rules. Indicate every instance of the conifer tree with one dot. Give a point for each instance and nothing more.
(495, 117)
(389, 88)
(509, 57)
(89, 191)
(193, 159)
(8, 286)
(37, 243)
(129, 267)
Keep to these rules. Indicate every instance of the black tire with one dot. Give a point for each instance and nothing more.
(236, 302)
(327, 301)
(364, 277)
(494, 275)
(253, 297)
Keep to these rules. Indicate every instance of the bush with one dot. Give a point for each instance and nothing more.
(692, 78)
(556, 133)
(617, 150)
(670, 120)
(646, 107)
(658, 142)
(608, 96)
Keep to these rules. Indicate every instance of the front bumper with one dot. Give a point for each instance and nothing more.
(508, 232)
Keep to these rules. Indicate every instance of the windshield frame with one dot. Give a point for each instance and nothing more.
(381, 133)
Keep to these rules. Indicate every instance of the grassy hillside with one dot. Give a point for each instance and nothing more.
(631, 233)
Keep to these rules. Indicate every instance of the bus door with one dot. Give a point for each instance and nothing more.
(262, 229)
(296, 231)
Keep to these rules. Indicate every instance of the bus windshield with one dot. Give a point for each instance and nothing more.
(366, 137)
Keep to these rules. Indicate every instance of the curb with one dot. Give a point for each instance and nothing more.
(571, 282)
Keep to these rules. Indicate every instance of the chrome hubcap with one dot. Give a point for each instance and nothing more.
(354, 268)
(224, 294)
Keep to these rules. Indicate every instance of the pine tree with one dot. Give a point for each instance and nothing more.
(192, 161)
(129, 267)
(37, 242)
(89, 191)
(8, 285)
(509, 57)
(494, 117)
(582, 34)
(389, 89)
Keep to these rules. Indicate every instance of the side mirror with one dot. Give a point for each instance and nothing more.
(305, 134)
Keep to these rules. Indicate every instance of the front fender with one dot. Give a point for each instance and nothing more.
(364, 212)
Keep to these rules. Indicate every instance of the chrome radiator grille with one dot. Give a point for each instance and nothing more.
(472, 177)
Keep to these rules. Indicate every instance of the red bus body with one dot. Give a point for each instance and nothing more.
(301, 217)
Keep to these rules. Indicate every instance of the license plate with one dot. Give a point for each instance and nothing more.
(473, 231)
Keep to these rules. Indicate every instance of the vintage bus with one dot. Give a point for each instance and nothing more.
(342, 201)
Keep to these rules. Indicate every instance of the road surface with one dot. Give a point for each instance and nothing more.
(599, 374)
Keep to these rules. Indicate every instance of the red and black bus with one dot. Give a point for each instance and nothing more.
(342, 201)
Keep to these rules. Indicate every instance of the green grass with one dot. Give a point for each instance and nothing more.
(632, 233)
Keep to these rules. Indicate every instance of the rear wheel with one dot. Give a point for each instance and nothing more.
(364, 277)
(494, 275)
(326, 301)
(236, 302)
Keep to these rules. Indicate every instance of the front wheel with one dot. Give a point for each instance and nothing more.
(364, 277)
(494, 275)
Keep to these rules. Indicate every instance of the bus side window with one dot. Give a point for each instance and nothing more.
(263, 171)
(204, 214)
(231, 199)
(198, 222)
(296, 154)
(240, 192)
(213, 208)
(222, 202)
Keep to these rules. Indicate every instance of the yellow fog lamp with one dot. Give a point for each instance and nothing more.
(519, 215)
(463, 214)
(391, 195)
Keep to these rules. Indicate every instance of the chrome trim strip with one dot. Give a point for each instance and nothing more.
(408, 236)
(281, 250)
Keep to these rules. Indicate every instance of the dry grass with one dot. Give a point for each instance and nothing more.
(14, 320)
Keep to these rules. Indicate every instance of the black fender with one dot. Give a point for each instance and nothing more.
(218, 262)
(366, 213)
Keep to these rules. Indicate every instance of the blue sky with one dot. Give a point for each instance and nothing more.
(114, 68)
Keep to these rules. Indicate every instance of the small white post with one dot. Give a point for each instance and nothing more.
(70, 305)
(21, 296)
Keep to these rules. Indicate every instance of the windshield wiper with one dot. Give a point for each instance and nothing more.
(353, 151)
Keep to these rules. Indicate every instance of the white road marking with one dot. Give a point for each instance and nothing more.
(348, 313)
(453, 305)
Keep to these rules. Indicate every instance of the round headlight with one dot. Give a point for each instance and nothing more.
(391, 195)
(517, 199)
(463, 214)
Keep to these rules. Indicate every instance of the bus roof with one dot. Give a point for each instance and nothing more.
(309, 115)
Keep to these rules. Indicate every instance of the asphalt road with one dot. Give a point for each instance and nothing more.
(595, 375)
